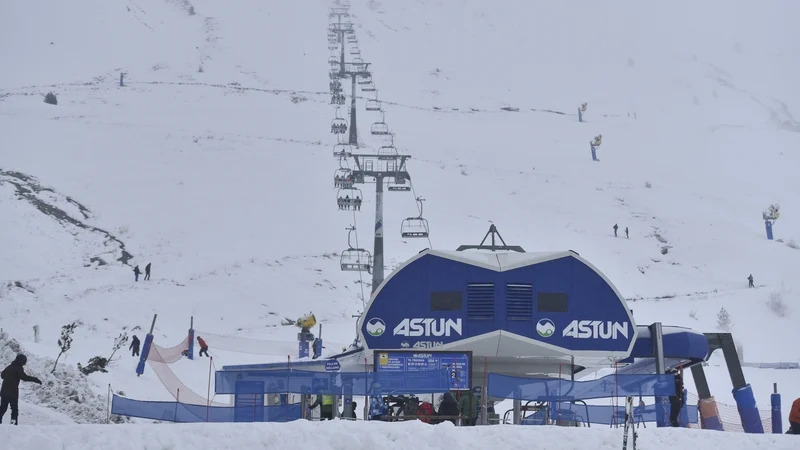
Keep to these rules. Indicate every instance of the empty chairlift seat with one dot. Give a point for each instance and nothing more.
(414, 227)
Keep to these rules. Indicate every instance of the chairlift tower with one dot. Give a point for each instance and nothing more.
(354, 71)
(379, 167)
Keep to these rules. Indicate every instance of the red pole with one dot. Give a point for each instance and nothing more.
(208, 392)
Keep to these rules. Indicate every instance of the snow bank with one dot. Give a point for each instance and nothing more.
(368, 435)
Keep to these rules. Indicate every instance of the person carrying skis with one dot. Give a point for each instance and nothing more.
(147, 271)
(134, 347)
(136, 273)
(615, 229)
(9, 392)
(203, 346)
(750, 281)
(794, 418)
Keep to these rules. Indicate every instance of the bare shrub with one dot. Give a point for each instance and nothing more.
(776, 304)
(724, 320)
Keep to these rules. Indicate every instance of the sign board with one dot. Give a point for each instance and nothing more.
(332, 366)
(457, 366)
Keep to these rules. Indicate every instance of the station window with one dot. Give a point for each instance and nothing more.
(480, 301)
(446, 301)
(551, 302)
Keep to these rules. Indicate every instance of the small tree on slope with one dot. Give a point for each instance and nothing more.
(65, 341)
(723, 319)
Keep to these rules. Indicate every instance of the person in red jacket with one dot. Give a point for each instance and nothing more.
(203, 346)
(794, 418)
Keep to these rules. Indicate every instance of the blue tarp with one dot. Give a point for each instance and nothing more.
(183, 412)
(555, 389)
(356, 383)
(599, 414)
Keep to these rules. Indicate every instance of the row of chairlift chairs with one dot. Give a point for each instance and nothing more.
(352, 258)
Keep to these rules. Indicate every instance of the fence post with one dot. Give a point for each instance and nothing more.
(177, 401)
(108, 405)
(208, 392)
(775, 399)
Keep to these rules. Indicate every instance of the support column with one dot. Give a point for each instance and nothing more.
(377, 261)
(353, 131)
(148, 341)
(662, 403)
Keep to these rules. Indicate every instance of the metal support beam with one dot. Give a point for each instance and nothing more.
(377, 261)
(353, 131)
(658, 346)
(700, 381)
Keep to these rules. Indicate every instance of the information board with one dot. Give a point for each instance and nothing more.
(456, 366)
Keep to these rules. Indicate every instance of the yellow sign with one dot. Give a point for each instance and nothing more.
(383, 359)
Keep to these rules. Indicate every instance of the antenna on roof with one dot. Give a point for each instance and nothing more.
(493, 247)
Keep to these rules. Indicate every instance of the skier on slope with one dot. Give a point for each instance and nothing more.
(134, 347)
(203, 346)
(750, 281)
(136, 273)
(616, 227)
(9, 392)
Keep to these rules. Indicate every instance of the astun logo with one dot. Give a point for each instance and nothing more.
(428, 327)
(596, 329)
(545, 328)
(376, 327)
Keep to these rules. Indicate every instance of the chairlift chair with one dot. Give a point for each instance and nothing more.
(368, 87)
(342, 150)
(380, 128)
(415, 227)
(365, 79)
(338, 124)
(349, 199)
(388, 152)
(343, 178)
(373, 105)
(354, 51)
(398, 185)
(355, 259)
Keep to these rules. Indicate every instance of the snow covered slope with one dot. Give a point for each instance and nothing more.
(349, 435)
(213, 162)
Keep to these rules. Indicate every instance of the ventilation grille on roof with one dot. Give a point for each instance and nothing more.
(480, 301)
(519, 301)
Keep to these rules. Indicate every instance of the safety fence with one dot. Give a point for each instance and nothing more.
(730, 417)
(186, 413)
(556, 389)
(568, 413)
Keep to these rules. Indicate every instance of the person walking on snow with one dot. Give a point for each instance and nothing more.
(147, 271)
(9, 392)
(136, 273)
(203, 346)
(750, 281)
(627, 236)
(134, 347)
(794, 418)
(615, 229)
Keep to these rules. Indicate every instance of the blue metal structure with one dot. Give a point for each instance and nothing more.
(533, 311)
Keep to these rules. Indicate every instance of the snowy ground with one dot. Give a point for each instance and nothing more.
(222, 178)
(356, 436)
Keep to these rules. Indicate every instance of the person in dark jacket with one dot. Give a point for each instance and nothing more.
(750, 281)
(134, 346)
(9, 392)
(203, 346)
(676, 401)
(147, 271)
(136, 273)
(448, 407)
(616, 227)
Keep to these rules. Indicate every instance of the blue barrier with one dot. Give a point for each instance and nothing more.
(746, 403)
(358, 383)
(777, 424)
(603, 414)
(187, 413)
(148, 341)
(556, 389)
